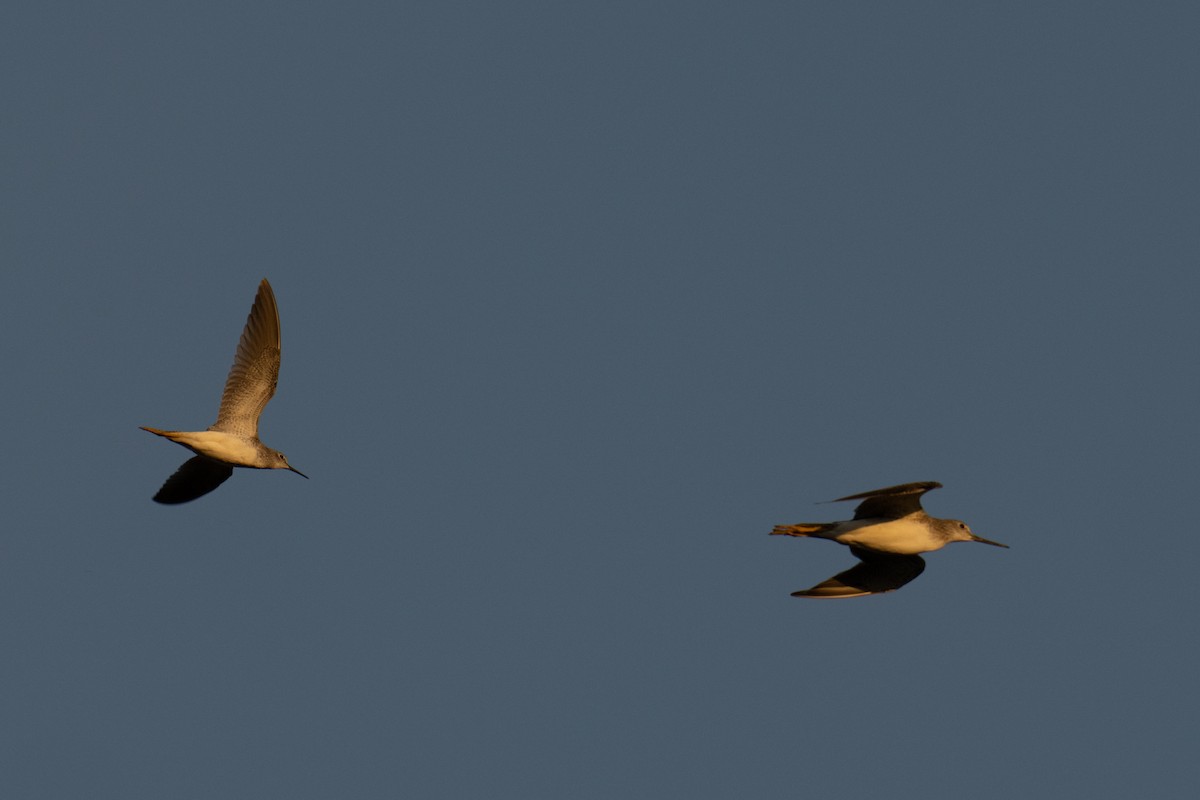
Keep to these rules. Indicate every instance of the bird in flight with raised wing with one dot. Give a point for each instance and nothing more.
(889, 529)
(232, 441)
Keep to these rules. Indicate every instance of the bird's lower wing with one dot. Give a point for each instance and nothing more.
(875, 575)
(198, 476)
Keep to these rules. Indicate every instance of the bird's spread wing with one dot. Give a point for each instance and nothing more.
(891, 503)
(876, 573)
(198, 476)
(255, 370)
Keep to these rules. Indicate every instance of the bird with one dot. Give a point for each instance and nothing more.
(889, 529)
(232, 441)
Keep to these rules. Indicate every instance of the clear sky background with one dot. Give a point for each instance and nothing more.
(578, 301)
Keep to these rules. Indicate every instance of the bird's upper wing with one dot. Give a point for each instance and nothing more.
(255, 370)
(876, 573)
(890, 503)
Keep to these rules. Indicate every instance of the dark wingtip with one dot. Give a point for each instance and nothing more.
(920, 487)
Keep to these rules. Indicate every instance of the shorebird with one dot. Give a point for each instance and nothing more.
(888, 530)
(232, 441)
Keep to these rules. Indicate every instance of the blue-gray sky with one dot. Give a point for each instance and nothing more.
(578, 301)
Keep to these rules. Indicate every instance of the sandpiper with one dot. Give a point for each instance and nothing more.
(233, 440)
(888, 530)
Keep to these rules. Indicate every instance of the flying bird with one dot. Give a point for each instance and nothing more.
(889, 529)
(232, 441)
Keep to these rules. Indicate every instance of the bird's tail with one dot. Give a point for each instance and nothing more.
(157, 432)
(802, 529)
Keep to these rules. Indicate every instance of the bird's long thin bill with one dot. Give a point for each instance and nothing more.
(975, 538)
(302, 475)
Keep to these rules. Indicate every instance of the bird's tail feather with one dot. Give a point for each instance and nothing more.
(802, 529)
(157, 432)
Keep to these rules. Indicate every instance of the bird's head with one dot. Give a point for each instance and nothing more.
(959, 532)
(279, 461)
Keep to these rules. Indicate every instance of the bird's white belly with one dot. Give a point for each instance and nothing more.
(901, 536)
(221, 446)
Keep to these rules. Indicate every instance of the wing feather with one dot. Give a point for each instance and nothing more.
(892, 502)
(875, 574)
(255, 371)
(197, 477)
